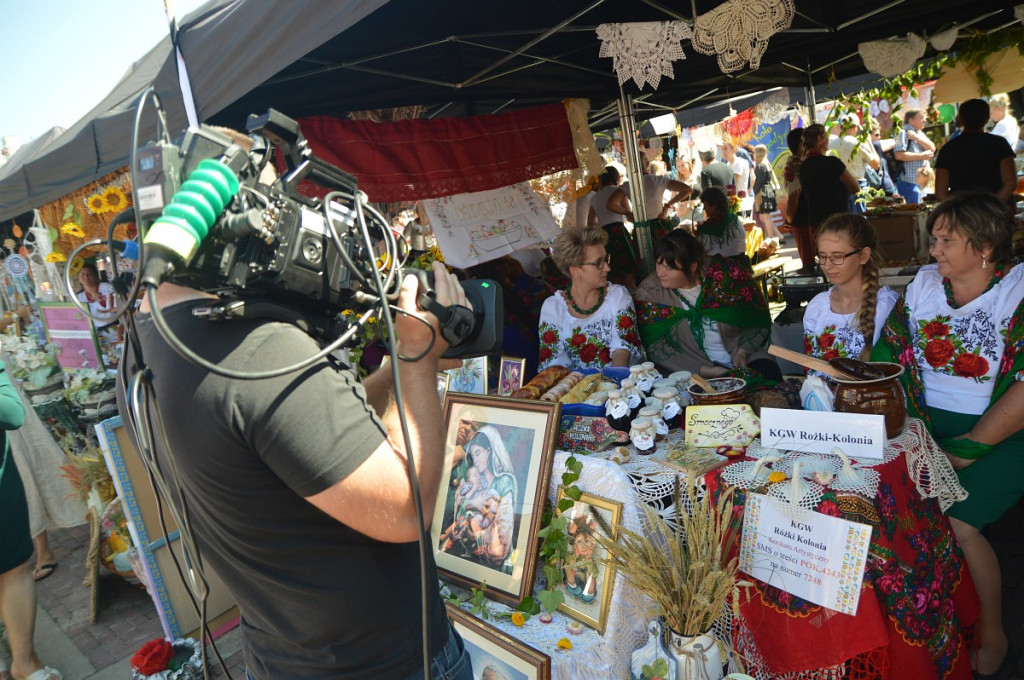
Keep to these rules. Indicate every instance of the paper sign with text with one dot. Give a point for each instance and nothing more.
(805, 553)
(859, 435)
(729, 424)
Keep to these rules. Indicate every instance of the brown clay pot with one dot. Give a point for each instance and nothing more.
(727, 391)
(882, 396)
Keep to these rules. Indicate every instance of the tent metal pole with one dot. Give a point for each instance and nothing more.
(641, 234)
(811, 104)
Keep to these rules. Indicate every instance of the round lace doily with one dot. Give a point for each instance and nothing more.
(738, 30)
(644, 51)
(893, 56)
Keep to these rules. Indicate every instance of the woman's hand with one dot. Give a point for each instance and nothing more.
(712, 371)
(739, 357)
(957, 462)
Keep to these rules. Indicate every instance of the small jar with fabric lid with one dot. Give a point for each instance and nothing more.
(653, 413)
(651, 370)
(641, 433)
(633, 395)
(671, 408)
(616, 410)
(642, 380)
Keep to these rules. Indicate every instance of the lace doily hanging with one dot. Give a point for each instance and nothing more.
(772, 108)
(1018, 12)
(943, 41)
(893, 56)
(738, 30)
(643, 51)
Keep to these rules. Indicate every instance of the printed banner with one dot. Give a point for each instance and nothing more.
(805, 553)
(475, 228)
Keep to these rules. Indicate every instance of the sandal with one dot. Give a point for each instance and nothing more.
(43, 571)
(45, 673)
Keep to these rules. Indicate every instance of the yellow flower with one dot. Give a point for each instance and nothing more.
(96, 204)
(777, 476)
(115, 199)
(72, 229)
(518, 619)
(117, 543)
(56, 257)
(564, 643)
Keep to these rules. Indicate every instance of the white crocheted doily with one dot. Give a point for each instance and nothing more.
(738, 30)
(644, 51)
(893, 56)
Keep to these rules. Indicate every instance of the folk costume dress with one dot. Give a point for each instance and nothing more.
(679, 333)
(829, 335)
(588, 343)
(960, 360)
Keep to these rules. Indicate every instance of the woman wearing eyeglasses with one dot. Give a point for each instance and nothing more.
(959, 334)
(846, 319)
(703, 316)
(591, 323)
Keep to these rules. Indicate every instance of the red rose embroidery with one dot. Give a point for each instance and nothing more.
(550, 337)
(632, 338)
(577, 339)
(935, 329)
(605, 356)
(826, 340)
(970, 365)
(807, 345)
(588, 352)
(625, 322)
(830, 355)
(830, 508)
(545, 353)
(153, 657)
(938, 352)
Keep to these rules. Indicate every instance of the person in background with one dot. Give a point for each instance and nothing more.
(714, 173)
(1006, 125)
(612, 222)
(591, 323)
(846, 320)
(17, 587)
(742, 176)
(706, 316)
(882, 147)
(915, 150)
(721, 232)
(765, 194)
(958, 332)
(857, 155)
(796, 206)
(975, 159)
(825, 181)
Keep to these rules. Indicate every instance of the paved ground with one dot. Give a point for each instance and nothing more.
(127, 618)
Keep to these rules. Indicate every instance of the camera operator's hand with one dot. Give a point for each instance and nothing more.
(413, 336)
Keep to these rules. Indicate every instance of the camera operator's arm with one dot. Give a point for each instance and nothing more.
(376, 498)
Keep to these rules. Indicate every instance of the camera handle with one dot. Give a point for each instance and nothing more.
(456, 321)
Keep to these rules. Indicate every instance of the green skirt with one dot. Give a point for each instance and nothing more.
(15, 537)
(995, 481)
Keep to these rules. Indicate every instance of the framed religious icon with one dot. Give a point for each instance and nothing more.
(587, 581)
(470, 377)
(442, 385)
(497, 462)
(510, 375)
(495, 654)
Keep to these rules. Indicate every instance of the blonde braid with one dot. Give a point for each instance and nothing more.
(868, 305)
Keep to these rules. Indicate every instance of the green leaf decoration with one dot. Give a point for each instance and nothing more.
(53, 234)
(69, 211)
(551, 599)
(528, 605)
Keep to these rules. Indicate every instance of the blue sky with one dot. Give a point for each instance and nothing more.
(59, 58)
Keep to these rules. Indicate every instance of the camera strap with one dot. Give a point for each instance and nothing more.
(456, 321)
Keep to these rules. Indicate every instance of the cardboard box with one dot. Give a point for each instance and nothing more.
(901, 237)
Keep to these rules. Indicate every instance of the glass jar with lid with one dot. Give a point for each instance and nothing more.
(671, 408)
(633, 395)
(641, 433)
(616, 410)
(653, 413)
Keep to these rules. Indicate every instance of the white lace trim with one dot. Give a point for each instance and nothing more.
(892, 56)
(644, 51)
(738, 30)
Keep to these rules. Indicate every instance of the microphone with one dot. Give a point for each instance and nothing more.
(128, 249)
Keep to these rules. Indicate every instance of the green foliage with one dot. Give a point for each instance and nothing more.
(478, 601)
(658, 669)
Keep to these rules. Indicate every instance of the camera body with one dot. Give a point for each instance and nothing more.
(268, 241)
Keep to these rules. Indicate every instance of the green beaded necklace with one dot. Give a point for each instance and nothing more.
(576, 308)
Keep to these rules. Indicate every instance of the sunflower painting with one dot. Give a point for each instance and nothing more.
(96, 204)
(114, 199)
(72, 229)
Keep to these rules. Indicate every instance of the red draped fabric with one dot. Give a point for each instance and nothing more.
(416, 159)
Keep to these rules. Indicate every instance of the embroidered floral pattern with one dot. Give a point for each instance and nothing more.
(589, 345)
(965, 347)
(833, 342)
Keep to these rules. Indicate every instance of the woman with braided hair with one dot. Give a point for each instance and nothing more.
(846, 319)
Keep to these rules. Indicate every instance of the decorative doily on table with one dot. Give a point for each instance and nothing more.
(893, 56)
(738, 30)
(643, 51)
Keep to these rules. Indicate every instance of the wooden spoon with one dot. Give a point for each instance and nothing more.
(810, 362)
(703, 384)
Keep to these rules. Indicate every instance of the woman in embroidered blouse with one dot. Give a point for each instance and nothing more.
(703, 317)
(721, 232)
(591, 323)
(846, 320)
(959, 332)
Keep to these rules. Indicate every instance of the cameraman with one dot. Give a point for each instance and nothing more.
(298, 491)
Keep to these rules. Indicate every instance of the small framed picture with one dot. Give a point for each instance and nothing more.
(498, 457)
(495, 654)
(442, 385)
(510, 375)
(586, 581)
(470, 377)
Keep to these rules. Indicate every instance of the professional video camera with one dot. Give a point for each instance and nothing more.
(273, 252)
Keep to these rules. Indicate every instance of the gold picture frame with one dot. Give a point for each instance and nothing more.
(442, 385)
(510, 375)
(489, 646)
(498, 459)
(588, 598)
(470, 378)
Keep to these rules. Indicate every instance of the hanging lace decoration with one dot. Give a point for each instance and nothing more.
(1018, 12)
(943, 41)
(643, 51)
(738, 30)
(893, 56)
(772, 108)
